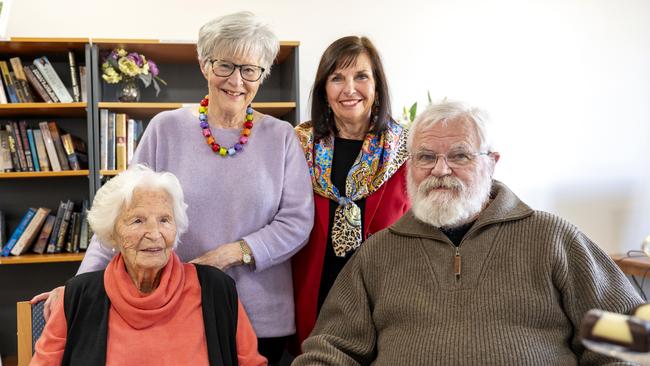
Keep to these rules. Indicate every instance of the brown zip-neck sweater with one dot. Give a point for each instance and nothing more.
(526, 280)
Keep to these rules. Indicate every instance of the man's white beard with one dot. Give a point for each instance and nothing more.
(450, 208)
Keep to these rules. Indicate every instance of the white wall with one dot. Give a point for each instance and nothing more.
(567, 81)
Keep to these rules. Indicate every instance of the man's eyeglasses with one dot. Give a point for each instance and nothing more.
(224, 69)
(454, 159)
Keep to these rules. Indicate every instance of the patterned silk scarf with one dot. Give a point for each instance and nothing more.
(380, 157)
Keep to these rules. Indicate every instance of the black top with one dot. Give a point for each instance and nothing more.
(86, 308)
(345, 153)
(456, 234)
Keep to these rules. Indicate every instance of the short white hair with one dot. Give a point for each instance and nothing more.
(117, 193)
(449, 110)
(238, 34)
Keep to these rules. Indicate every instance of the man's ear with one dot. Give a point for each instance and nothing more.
(495, 155)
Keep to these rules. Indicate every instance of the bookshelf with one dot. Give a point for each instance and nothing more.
(29, 274)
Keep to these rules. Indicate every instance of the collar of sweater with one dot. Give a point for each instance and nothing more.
(504, 206)
(142, 311)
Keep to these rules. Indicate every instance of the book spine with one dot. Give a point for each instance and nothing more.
(41, 151)
(28, 236)
(6, 164)
(84, 235)
(19, 147)
(48, 88)
(69, 150)
(120, 141)
(54, 235)
(13, 149)
(76, 92)
(65, 223)
(36, 85)
(6, 76)
(17, 88)
(28, 152)
(49, 146)
(69, 237)
(111, 141)
(103, 138)
(130, 140)
(3, 95)
(6, 250)
(45, 67)
(32, 148)
(41, 242)
(21, 80)
(58, 145)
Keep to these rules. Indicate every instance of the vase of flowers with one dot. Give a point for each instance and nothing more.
(126, 68)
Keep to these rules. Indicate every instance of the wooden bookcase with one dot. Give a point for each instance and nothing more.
(29, 274)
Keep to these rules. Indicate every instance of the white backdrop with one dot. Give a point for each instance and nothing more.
(567, 82)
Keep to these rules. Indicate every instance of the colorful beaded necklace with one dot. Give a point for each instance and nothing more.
(207, 133)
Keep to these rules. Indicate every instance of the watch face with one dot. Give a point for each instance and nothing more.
(247, 258)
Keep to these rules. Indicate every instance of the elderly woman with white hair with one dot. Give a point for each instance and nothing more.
(146, 307)
(244, 175)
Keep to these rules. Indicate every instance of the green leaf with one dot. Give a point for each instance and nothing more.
(146, 79)
(413, 111)
(156, 86)
(429, 96)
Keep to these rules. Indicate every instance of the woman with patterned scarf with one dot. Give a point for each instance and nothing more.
(356, 154)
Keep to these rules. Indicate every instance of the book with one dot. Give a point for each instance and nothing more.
(52, 78)
(20, 150)
(130, 140)
(83, 83)
(3, 95)
(103, 139)
(20, 95)
(76, 91)
(48, 88)
(65, 226)
(54, 235)
(58, 145)
(75, 150)
(69, 236)
(85, 235)
(32, 149)
(44, 235)
(28, 152)
(13, 151)
(8, 82)
(21, 80)
(36, 85)
(110, 141)
(49, 147)
(120, 141)
(28, 236)
(6, 250)
(6, 164)
(43, 160)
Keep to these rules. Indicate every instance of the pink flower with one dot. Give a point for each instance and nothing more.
(153, 68)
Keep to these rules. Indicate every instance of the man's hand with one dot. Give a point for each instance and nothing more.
(223, 257)
(50, 299)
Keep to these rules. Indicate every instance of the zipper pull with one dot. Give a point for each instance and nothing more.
(457, 262)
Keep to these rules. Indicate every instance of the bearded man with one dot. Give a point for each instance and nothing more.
(471, 275)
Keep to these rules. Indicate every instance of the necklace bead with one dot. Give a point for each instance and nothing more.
(209, 137)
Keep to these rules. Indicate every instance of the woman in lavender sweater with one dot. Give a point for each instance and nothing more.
(248, 188)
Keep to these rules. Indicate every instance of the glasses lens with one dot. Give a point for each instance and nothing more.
(458, 159)
(251, 72)
(223, 68)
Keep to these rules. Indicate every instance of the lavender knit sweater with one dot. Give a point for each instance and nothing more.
(263, 195)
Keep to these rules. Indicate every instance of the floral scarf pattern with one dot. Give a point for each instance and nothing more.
(380, 157)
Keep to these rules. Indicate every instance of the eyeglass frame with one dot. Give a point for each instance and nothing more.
(473, 155)
(235, 67)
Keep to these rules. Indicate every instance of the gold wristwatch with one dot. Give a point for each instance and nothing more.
(247, 258)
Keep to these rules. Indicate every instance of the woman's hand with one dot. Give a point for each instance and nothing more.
(224, 257)
(50, 299)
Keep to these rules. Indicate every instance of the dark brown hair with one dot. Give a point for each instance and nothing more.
(339, 55)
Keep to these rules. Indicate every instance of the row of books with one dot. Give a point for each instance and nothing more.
(39, 82)
(43, 232)
(42, 149)
(119, 136)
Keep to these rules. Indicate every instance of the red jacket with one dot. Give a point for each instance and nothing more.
(383, 208)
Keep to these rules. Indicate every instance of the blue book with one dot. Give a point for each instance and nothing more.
(18, 232)
(32, 148)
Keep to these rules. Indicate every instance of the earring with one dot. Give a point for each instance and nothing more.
(375, 111)
(113, 250)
